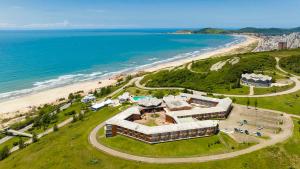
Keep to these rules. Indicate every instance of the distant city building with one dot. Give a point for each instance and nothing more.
(282, 45)
(186, 116)
(257, 80)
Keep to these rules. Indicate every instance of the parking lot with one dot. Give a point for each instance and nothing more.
(252, 125)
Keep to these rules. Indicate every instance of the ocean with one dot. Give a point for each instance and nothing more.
(35, 60)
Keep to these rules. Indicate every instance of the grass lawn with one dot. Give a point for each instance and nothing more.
(274, 89)
(243, 90)
(141, 92)
(289, 103)
(191, 147)
(69, 148)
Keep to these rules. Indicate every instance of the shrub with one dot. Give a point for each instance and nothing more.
(70, 113)
(21, 143)
(4, 152)
(34, 138)
(55, 128)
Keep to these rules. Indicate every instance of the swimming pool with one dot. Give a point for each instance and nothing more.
(137, 98)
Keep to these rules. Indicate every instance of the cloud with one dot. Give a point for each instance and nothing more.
(65, 23)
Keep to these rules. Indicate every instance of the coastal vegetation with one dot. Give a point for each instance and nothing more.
(291, 64)
(201, 78)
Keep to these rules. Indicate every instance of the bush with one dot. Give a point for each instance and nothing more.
(21, 143)
(34, 138)
(15, 143)
(4, 152)
(55, 128)
(70, 113)
(74, 118)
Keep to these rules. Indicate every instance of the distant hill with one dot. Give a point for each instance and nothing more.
(264, 31)
(211, 31)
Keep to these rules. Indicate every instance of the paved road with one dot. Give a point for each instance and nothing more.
(251, 92)
(277, 139)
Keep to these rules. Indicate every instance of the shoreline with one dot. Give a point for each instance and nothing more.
(22, 104)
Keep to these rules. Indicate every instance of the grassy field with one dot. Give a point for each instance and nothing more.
(274, 89)
(69, 148)
(243, 90)
(191, 147)
(289, 103)
(291, 64)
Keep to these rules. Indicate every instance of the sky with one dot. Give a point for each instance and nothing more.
(69, 14)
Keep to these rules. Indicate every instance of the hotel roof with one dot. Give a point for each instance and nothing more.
(186, 123)
(149, 102)
(176, 102)
(119, 120)
(222, 105)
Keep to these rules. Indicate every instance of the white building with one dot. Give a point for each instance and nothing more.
(257, 80)
(100, 105)
(88, 98)
(124, 97)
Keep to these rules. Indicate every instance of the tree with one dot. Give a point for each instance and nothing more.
(137, 91)
(55, 128)
(74, 118)
(34, 138)
(21, 143)
(4, 152)
(255, 103)
(71, 96)
(238, 84)
(80, 116)
(248, 103)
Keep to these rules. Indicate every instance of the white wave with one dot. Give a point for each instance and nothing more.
(151, 59)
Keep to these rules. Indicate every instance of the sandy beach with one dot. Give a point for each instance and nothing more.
(23, 103)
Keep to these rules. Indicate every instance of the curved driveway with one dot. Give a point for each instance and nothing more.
(277, 139)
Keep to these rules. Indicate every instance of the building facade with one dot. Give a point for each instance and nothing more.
(257, 80)
(185, 118)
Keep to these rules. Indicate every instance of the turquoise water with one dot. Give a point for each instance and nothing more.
(37, 60)
(137, 98)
